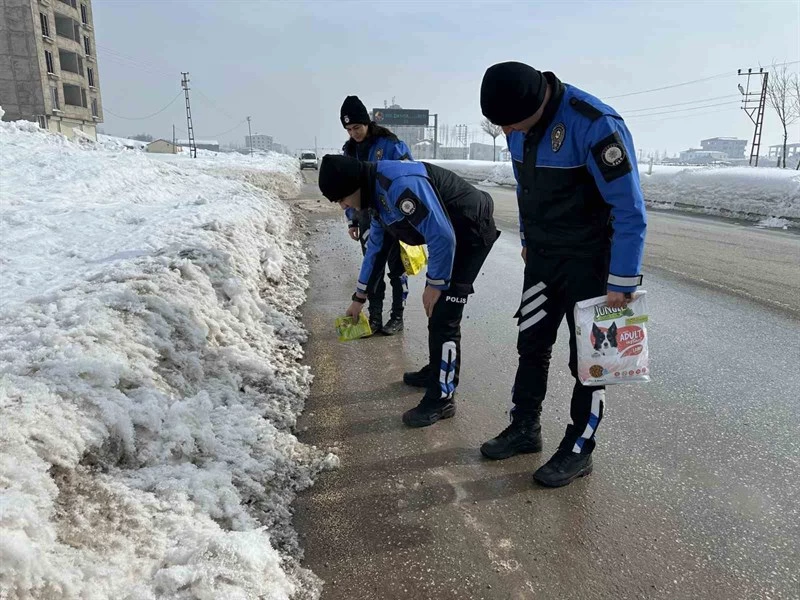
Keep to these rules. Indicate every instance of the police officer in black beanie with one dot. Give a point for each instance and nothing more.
(420, 203)
(582, 225)
(372, 142)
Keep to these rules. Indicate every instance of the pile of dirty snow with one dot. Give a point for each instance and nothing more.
(150, 376)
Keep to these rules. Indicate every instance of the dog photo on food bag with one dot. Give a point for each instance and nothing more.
(605, 340)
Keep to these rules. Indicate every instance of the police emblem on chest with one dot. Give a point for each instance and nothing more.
(613, 155)
(557, 137)
(379, 154)
(407, 206)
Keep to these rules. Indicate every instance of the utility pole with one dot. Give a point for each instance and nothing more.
(174, 141)
(189, 126)
(250, 136)
(315, 147)
(435, 132)
(754, 103)
(462, 136)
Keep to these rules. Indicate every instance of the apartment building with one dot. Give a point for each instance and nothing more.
(259, 142)
(48, 65)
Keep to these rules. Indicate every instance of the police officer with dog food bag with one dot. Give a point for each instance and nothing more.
(418, 203)
(582, 225)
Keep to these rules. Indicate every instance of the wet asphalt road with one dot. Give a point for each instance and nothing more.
(695, 492)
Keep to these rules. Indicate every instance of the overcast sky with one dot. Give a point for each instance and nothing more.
(290, 64)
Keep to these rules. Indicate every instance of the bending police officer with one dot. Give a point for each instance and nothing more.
(419, 204)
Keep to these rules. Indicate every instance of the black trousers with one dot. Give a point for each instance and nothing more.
(444, 325)
(553, 284)
(376, 286)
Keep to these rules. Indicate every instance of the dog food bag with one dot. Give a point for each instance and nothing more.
(612, 343)
(349, 329)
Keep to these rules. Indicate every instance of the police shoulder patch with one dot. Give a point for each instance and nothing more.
(611, 157)
(411, 207)
(407, 206)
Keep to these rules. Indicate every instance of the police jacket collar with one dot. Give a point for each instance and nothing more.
(550, 109)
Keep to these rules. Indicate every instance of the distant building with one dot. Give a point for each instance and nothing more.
(162, 147)
(698, 156)
(201, 144)
(792, 150)
(422, 150)
(453, 153)
(259, 142)
(485, 151)
(731, 147)
(48, 65)
(409, 134)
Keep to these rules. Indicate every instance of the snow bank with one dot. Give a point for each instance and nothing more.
(110, 142)
(479, 171)
(741, 192)
(271, 171)
(150, 377)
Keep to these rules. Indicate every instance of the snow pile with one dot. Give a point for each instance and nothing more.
(741, 192)
(774, 223)
(150, 378)
(109, 142)
(271, 171)
(479, 171)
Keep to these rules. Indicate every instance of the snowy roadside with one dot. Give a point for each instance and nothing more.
(770, 197)
(150, 374)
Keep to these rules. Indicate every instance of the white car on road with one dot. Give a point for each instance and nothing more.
(308, 160)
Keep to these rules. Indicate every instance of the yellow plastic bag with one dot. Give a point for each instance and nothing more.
(348, 329)
(413, 257)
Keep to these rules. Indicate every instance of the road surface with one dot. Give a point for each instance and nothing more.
(696, 487)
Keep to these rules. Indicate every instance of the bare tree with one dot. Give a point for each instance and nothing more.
(795, 91)
(494, 131)
(781, 98)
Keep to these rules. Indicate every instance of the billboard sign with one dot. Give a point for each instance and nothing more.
(413, 117)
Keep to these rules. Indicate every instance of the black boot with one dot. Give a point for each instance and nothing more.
(524, 435)
(375, 322)
(393, 325)
(428, 411)
(564, 467)
(418, 378)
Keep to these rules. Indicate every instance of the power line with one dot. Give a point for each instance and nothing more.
(148, 116)
(135, 62)
(729, 96)
(666, 112)
(675, 85)
(239, 124)
(701, 114)
(213, 104)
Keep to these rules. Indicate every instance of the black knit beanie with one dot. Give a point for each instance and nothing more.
(339, 176)
(353, 111)
(511, 92)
